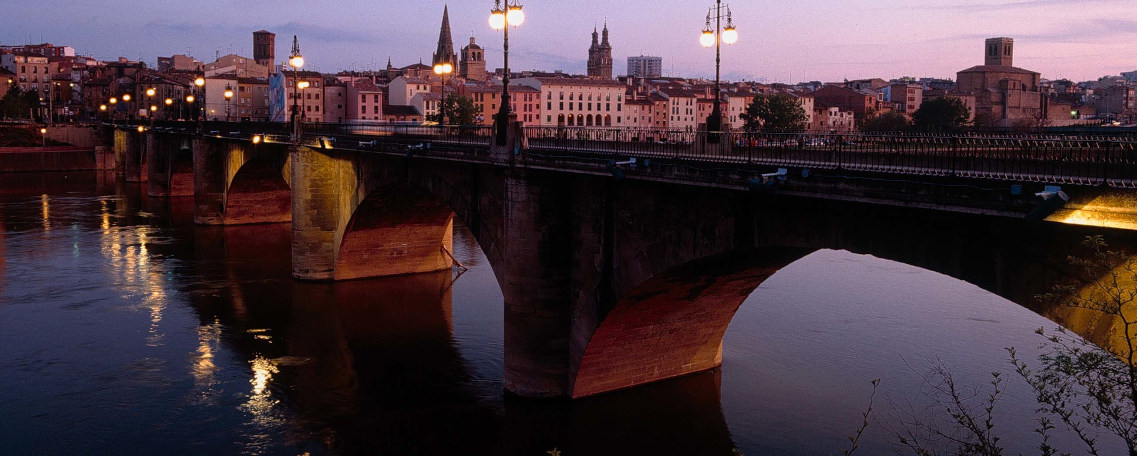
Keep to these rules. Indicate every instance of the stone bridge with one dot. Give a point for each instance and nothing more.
(614, 274)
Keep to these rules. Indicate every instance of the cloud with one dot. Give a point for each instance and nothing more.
(1019, 5)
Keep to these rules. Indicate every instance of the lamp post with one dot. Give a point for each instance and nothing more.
(50, 109)
(150, 101)
(716, 37)
(501, 19)
(228, 96)
(196, 98)
(443, 69)
(300, 86)
(296, 61)
(169, 104)
(129, 115)
(43, 136)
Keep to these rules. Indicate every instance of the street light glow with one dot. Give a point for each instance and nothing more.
(169, 101)
(497, 17)
(303, 85)
(515, 16)
(443, 68)
(189, 98)
(199, 82)
(150, 92)
(707, 39)
(296, 62)
(126, 97)
(729, 35)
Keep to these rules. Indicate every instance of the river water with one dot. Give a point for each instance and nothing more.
(125, 329)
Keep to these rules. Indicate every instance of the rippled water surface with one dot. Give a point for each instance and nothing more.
(125, 329)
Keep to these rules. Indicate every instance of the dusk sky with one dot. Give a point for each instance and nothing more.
(784, 41)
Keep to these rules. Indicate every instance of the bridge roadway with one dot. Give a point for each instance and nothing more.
(603, 262)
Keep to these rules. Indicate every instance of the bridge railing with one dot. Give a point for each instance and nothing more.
(1095, 159)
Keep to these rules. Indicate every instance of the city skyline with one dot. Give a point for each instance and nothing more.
(1074, 39)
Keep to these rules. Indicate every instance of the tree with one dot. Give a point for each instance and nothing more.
(1086, 388)
(942, 114)
(1079, 383)
(459, 111)
(18, 104)
(892, 121)
(777, 112)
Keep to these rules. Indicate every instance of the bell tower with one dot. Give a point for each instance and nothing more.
(600, 56)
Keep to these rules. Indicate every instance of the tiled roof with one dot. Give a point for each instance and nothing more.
(997, 69)
(580, 82)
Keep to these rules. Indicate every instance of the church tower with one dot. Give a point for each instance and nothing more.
(1000, 52)
(473, 62)
(445, 52)
(600, 56)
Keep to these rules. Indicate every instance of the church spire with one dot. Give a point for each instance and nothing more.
(605, 42)
(445, 52)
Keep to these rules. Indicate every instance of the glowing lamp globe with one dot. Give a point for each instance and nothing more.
(730, 35)
(707, 39)
(497, 19)
(515, 16)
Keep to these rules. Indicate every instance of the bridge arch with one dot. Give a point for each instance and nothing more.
(664, 315)
(259, 192)
(237, 182)
(673, 325)
(396, 230)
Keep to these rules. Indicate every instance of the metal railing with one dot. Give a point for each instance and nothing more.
(1068, 158)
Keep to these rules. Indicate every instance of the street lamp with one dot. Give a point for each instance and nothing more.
(296, 61)
(443, 69)
(129, 115)
(710, 37)
(113, 101)
(300, 86)
(150, 100)
(43, 136)
(169, 103)
(501, 19)
(198, 110)
(228, 96)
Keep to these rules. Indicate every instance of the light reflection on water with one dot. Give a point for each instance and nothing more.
(162, 337)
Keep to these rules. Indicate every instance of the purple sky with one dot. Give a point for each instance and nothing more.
(784, 41)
